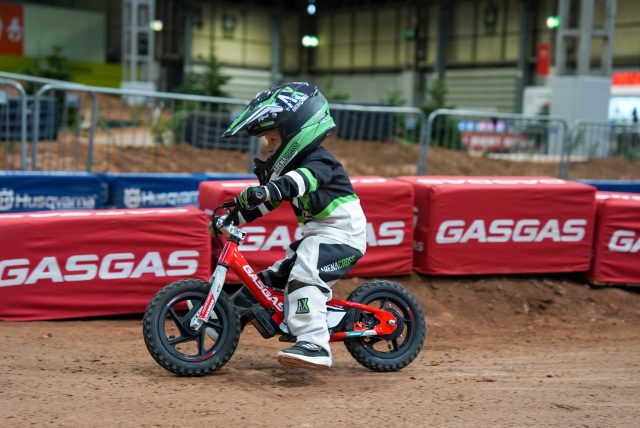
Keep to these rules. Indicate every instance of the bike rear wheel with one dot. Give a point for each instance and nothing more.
(394, 351)
(174, 344)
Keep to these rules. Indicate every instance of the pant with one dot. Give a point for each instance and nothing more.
(311, 266)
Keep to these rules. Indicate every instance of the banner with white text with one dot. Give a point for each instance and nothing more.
(502, 225)
(68, 264)
(387, 204)
(616, 248)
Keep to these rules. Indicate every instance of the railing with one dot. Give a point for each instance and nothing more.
(106, 129)
(377, 140)
(604, 150)
(71, 127)
(13, 124)
(460, 142)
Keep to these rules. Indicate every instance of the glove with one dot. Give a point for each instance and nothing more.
(213, 226)
(251, 197)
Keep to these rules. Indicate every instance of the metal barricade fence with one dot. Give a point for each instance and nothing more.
(460, 142)
(105, 129)
(13, 125)
(71, 127)
(377, 140)
(604, 150)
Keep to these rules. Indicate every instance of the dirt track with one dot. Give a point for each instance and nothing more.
(499, 352)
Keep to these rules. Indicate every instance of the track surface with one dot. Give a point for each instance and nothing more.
(499, 352)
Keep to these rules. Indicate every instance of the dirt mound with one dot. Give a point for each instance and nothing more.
(386, 158)
(463, 305)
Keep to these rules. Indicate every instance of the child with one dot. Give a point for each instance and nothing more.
(294, 118)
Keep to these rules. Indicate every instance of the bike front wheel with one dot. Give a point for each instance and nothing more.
(174, 344)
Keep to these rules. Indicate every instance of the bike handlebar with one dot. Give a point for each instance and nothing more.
(229, 204)
(225, 224)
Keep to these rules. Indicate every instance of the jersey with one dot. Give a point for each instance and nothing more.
(322, 198)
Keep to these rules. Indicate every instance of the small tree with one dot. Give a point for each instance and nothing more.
(436, 97)
(394, 98)
(444, 131)
(329, 92)
(207, 82)
(52, 66)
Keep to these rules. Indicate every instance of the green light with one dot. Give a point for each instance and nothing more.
(310, 41)
(553, 21)
(409, 33)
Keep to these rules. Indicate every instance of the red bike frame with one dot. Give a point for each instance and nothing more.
(273, 300)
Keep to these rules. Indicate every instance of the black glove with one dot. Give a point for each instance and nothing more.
(251, 197)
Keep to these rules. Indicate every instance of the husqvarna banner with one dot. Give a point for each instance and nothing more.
(491, 225)
(39, 191)
(155, 190)
(387, 204)
(68, 264)
(128, 190)
(616, 250)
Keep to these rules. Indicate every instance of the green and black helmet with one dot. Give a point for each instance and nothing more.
(301, 115)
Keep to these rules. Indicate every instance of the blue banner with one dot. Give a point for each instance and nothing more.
(627, 186)
(42, 191)
(139, 190)
(212, 176)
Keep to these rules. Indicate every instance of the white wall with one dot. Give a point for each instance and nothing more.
(80, 33)
(366, 88)
(491, 89)
(244, 83)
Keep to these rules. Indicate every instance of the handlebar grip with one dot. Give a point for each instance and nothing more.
(231, 203)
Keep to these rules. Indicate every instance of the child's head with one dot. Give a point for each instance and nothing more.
(273, 140)
(293, 116)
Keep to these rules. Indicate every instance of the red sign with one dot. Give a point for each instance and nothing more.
(387, 204)
(67, 264)
(543, 55)
(481, 141)
(627, 78)
(11, 29)
(499, 225)
(616, 249)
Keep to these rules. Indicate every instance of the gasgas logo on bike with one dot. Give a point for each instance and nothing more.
(259, 239)
(87, 267)
(509, 230)
(625, 241)
(263, 288)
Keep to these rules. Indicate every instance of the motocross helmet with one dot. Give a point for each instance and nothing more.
(301, 115)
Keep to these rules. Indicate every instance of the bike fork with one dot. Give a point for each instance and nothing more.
(216, 281)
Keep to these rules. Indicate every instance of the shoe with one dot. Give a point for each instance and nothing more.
(305, 355)
(243, 301)
(243, 298)
(287, 338)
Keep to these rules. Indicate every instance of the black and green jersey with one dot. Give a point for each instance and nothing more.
(322, 198)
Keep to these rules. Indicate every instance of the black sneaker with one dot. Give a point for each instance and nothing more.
(243, 301)
(305, 355)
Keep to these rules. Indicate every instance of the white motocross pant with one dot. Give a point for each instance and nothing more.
(311, 266)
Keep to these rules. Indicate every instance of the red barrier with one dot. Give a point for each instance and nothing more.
(67, 264)
(387, 204)
(485, 225)
(616, 249)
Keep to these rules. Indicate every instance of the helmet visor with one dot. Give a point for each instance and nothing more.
(257, 117)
